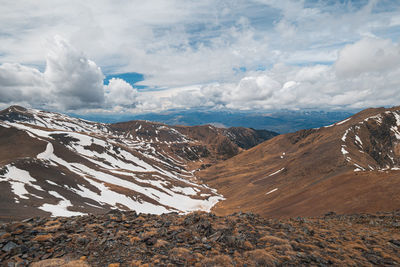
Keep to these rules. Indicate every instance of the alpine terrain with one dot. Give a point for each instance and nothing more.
(350, 166)
(52, 164)
(141, 184)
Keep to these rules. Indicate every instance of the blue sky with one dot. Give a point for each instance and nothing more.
(141, 56)
(131, 77)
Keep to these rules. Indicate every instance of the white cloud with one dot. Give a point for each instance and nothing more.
(21, 83)
(120, 93)
(74, 80)
(373, 80)
(368, 55)
(69, 82)
(185, 42)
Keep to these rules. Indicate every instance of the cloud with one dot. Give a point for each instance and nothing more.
(70, 82)
(367, 73)
(19, 83)
(74, 80)
(180, 43)
(120, 93)
(368, 55)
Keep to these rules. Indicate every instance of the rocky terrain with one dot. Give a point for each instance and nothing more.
(351, 166)
(202, 239)
(53, 164)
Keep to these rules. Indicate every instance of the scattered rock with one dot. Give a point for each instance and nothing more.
(201, 239)
(9, 246)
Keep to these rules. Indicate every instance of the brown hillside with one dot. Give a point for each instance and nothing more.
(53, 164)
(352, 166)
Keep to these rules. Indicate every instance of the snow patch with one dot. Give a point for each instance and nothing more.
(60, 209)
(278, 171)
(18, 179)
(358, 140)
(345, 135)
(338, 123)
(273, 190)
(343, 121)
(177, 200)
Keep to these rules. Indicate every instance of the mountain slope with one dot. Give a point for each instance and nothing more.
(54, 164)
(351, 166)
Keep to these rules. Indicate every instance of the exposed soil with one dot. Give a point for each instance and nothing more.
(202, 239)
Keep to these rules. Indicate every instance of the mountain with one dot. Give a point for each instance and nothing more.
(350, 166)
(282, 121)
(53, 164)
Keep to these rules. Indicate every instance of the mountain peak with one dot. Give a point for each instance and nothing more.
(16, 108)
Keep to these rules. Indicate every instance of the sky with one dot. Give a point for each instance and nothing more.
(133, 56)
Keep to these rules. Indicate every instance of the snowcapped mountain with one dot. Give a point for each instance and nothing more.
(63, 166)
(350, 166)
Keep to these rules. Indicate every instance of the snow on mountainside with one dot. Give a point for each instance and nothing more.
(350, 166)
(66, 166)
(374, 142)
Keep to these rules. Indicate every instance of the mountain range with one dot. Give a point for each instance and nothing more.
(56, 165)
(53, 164)
(282, 121)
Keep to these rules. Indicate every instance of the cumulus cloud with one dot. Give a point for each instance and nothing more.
(179, 43)
(70, 82)
(74, 80)
(19, 83)
(367, 73)
(120, 93)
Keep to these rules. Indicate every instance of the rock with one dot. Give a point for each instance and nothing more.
(330, 213)
(28, 220)
(151, 241)
(46, 256)
(114, 212)
(5, 236)
(82, 241)
(43, 238)
(214, 237)
(201, 238)
(60, 263)
(395, 242)
(24, 249)
(9, 246)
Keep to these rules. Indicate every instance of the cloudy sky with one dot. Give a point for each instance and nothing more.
(137, 56)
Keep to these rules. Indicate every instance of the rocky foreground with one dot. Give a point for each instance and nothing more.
(201, 239)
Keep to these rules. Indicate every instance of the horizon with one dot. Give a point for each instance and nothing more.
(245, 56)
(278, 121)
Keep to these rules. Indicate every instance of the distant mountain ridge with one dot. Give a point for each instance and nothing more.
(53, 164)
(283, 121)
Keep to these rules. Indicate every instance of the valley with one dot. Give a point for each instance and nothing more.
(52, 164)
(348, 167)
(140, 193)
